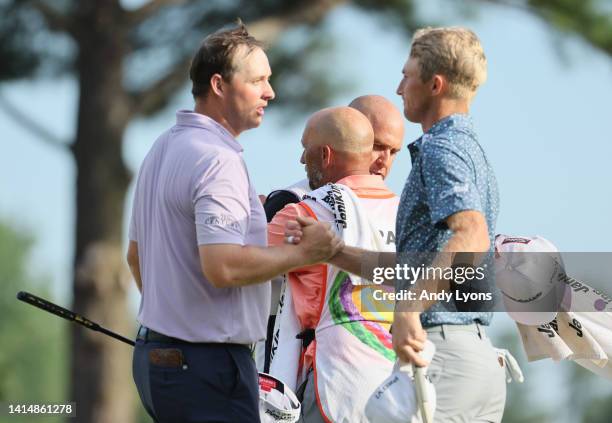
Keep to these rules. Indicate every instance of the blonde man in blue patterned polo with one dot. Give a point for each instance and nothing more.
(449, 205)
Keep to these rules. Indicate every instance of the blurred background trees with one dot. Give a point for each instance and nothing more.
(129, 59)
(33, 353)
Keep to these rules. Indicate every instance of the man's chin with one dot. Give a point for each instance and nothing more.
(411, 116)
(255, 122)
(315, 184)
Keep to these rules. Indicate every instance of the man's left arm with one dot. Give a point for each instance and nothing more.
(470, 234)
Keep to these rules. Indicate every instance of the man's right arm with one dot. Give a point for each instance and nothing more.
(362, 262)
(229, 265)
(351, 259)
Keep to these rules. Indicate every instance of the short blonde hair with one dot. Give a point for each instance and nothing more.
(455, 53)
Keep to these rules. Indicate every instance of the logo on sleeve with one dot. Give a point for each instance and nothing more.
(224, 220)
(516, 241)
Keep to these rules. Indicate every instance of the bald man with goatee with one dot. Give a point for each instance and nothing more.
(353, 348)
(337, 143)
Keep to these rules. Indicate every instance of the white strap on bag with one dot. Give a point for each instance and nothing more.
(285, 354)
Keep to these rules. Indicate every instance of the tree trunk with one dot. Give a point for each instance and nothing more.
(101, 382)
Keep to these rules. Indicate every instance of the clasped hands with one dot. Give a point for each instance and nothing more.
(318, 240)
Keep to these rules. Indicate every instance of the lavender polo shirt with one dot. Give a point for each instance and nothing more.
(194, 189)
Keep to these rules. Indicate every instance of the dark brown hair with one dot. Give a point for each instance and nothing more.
(216, 55)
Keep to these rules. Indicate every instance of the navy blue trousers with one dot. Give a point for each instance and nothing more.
(213, 383)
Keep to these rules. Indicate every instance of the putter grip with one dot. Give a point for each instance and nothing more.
(55, 309)
(421, 394)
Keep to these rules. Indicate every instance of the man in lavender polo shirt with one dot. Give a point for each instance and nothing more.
(198, 246)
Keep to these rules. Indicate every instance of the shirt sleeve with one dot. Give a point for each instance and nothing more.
(221, 201)
(449, 180)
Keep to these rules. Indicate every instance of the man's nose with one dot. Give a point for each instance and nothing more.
(399, 90)
(302, 158)
(383, 156)
(386, 155)
(269, 92)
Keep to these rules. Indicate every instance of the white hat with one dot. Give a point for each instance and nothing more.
(395, 400)
(529, 272)
(277, 403)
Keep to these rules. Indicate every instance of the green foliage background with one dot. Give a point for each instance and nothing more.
(33, 344)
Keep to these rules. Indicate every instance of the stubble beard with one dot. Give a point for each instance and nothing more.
(315, 177)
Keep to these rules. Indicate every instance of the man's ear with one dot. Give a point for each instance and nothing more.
(438, 85)
(327, 155)
(216, 84)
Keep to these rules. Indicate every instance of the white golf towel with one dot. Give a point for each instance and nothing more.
(581, 332)
(582, 328)
(584, 337)
(565, 338)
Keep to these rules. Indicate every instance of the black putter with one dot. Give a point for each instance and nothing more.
(68, 315)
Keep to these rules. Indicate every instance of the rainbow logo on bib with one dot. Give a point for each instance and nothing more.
(369, 320)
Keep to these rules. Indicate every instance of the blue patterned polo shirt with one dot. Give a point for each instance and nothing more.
(450, 173)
